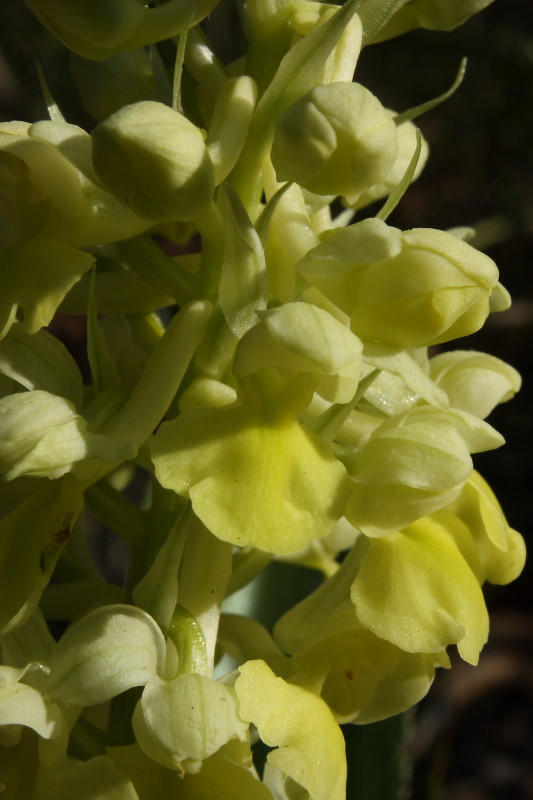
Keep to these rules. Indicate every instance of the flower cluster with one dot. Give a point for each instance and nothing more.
(270, 388)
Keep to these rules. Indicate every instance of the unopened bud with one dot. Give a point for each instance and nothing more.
(430, 287)
(338, 139)
(154, 160)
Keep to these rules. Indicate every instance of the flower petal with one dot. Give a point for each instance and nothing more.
(182, 722)
(310, 743)
(268, 484)
(106, 652)
(415, 589)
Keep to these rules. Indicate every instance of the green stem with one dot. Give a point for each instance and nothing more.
(162, 376)
(203, 579)
(186, 634)
(116, 513)
(379, 762)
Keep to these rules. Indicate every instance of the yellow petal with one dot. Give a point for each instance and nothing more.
(268, 484)
(416, 590)
(310, 743)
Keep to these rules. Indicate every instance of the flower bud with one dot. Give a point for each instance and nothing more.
(430, 287)
(155, 161)
(48, 187)
(406, 141)
(100, 28)
(337, 139)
